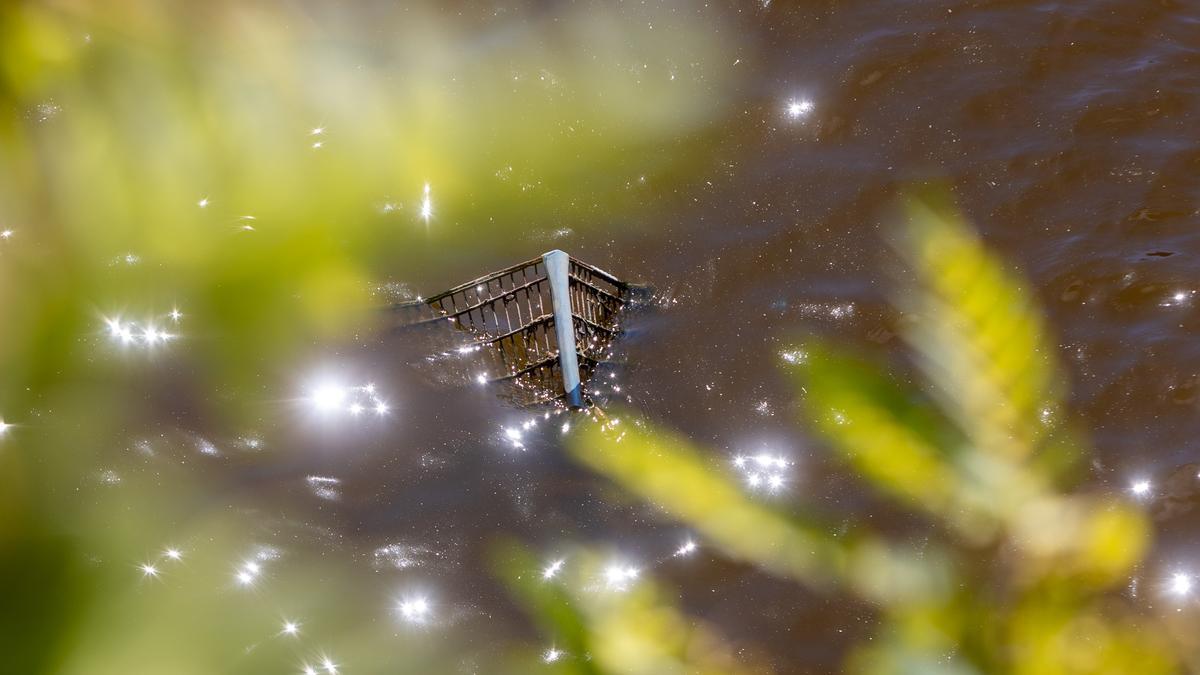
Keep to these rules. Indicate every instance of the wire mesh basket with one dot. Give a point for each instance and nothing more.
(521, 316)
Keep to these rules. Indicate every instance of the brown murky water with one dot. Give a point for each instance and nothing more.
(1067, 131)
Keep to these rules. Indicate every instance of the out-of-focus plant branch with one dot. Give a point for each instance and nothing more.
(1020, 572)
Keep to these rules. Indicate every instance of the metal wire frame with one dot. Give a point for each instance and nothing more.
(510, 313)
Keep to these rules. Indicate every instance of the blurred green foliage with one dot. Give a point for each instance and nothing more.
(638, 630)
(118, 119)
(1019, 573)
(166, 154)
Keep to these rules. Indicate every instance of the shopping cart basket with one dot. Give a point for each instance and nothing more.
(542, 326)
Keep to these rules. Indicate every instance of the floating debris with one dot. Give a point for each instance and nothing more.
(520, 315)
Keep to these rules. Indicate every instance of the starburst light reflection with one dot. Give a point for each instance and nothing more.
(426, 205)
(414, 610)
(329, 399)
(152, 335)
(247, 574)
(515, 437)
(131, 333)
(618, 577)
(763, 470)
(793, 356)
(552, 570)
(325, 487)
(1178, 298)
(1180, 585)
(797, 108)
(1140, 488)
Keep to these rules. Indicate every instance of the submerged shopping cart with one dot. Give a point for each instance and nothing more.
(541, 327)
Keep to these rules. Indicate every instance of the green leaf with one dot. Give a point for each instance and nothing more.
(978, 335)
(883, 431)
(667, 470)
